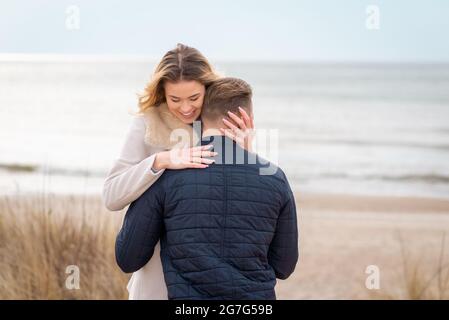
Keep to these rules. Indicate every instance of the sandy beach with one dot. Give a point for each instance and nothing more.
(340, 235)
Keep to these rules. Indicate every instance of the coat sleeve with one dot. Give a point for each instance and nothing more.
(141, 230)
(131, 174)
(283, 252)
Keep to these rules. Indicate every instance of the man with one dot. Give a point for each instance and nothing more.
(227, 231)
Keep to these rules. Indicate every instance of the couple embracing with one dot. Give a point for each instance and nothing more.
(204, 221)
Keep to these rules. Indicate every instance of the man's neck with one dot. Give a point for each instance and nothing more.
(209, 131)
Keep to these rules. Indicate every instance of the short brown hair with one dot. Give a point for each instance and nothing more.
(226, 94)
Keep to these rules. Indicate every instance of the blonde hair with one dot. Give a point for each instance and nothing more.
(181, 63)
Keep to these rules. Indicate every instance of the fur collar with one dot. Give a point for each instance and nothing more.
(160, 123)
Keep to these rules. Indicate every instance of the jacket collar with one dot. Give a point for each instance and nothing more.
(229, 152)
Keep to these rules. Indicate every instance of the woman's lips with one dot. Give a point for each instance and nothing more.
(187, 114)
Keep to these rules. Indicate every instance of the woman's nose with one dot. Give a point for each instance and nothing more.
(185, 107)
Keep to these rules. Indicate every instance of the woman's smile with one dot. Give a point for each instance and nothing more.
(188, 114)
(185, 99)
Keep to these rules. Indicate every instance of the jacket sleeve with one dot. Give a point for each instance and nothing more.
(141, 230)
(131, 174)
(283, 252)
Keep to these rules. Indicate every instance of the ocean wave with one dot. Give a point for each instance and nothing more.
(423, 178)
(33, 168)
(363, 143)
(420, 178)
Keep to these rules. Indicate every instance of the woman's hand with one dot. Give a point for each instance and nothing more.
(242, 131)
(182, 158)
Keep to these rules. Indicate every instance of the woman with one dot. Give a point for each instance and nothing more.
(172, 100)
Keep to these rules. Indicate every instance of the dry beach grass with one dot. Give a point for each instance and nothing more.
(40, 236)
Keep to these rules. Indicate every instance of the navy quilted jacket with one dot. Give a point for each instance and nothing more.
(227, 231)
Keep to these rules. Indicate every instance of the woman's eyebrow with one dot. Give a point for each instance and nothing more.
(193, 96)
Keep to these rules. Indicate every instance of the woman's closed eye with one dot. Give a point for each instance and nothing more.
(177, 100)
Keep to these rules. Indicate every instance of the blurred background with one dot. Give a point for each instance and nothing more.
(359, 92)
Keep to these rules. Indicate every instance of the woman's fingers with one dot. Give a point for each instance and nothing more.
(248, 122)
(204, 154)
(200, 148)
(233, 127)
(228, 133)
(245, 123)
(237, 133)
(202, 160)
(196, 165)
(246, 118)
(197, 151)
(237, 120)
(231, 134)
(229, 124)
(195, 157)
(239, 139)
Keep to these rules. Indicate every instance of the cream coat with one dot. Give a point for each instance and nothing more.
(131, 175)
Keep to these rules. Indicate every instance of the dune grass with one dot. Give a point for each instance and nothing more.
(422, 283)
(420, 279)
(40, 236)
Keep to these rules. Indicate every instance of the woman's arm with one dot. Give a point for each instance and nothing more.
(131, 174)
(138, 166)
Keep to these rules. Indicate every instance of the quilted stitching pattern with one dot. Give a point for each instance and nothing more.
(226, 231)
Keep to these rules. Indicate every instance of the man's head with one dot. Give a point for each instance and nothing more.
(223, 95)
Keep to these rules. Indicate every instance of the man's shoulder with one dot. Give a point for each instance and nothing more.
(269, 168)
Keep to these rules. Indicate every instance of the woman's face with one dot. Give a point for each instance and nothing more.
(185, 99)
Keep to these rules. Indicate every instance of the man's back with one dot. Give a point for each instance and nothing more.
(226, 231)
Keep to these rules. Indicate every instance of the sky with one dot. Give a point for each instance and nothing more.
(276, 30)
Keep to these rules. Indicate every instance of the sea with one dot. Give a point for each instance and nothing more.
(352, 128)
